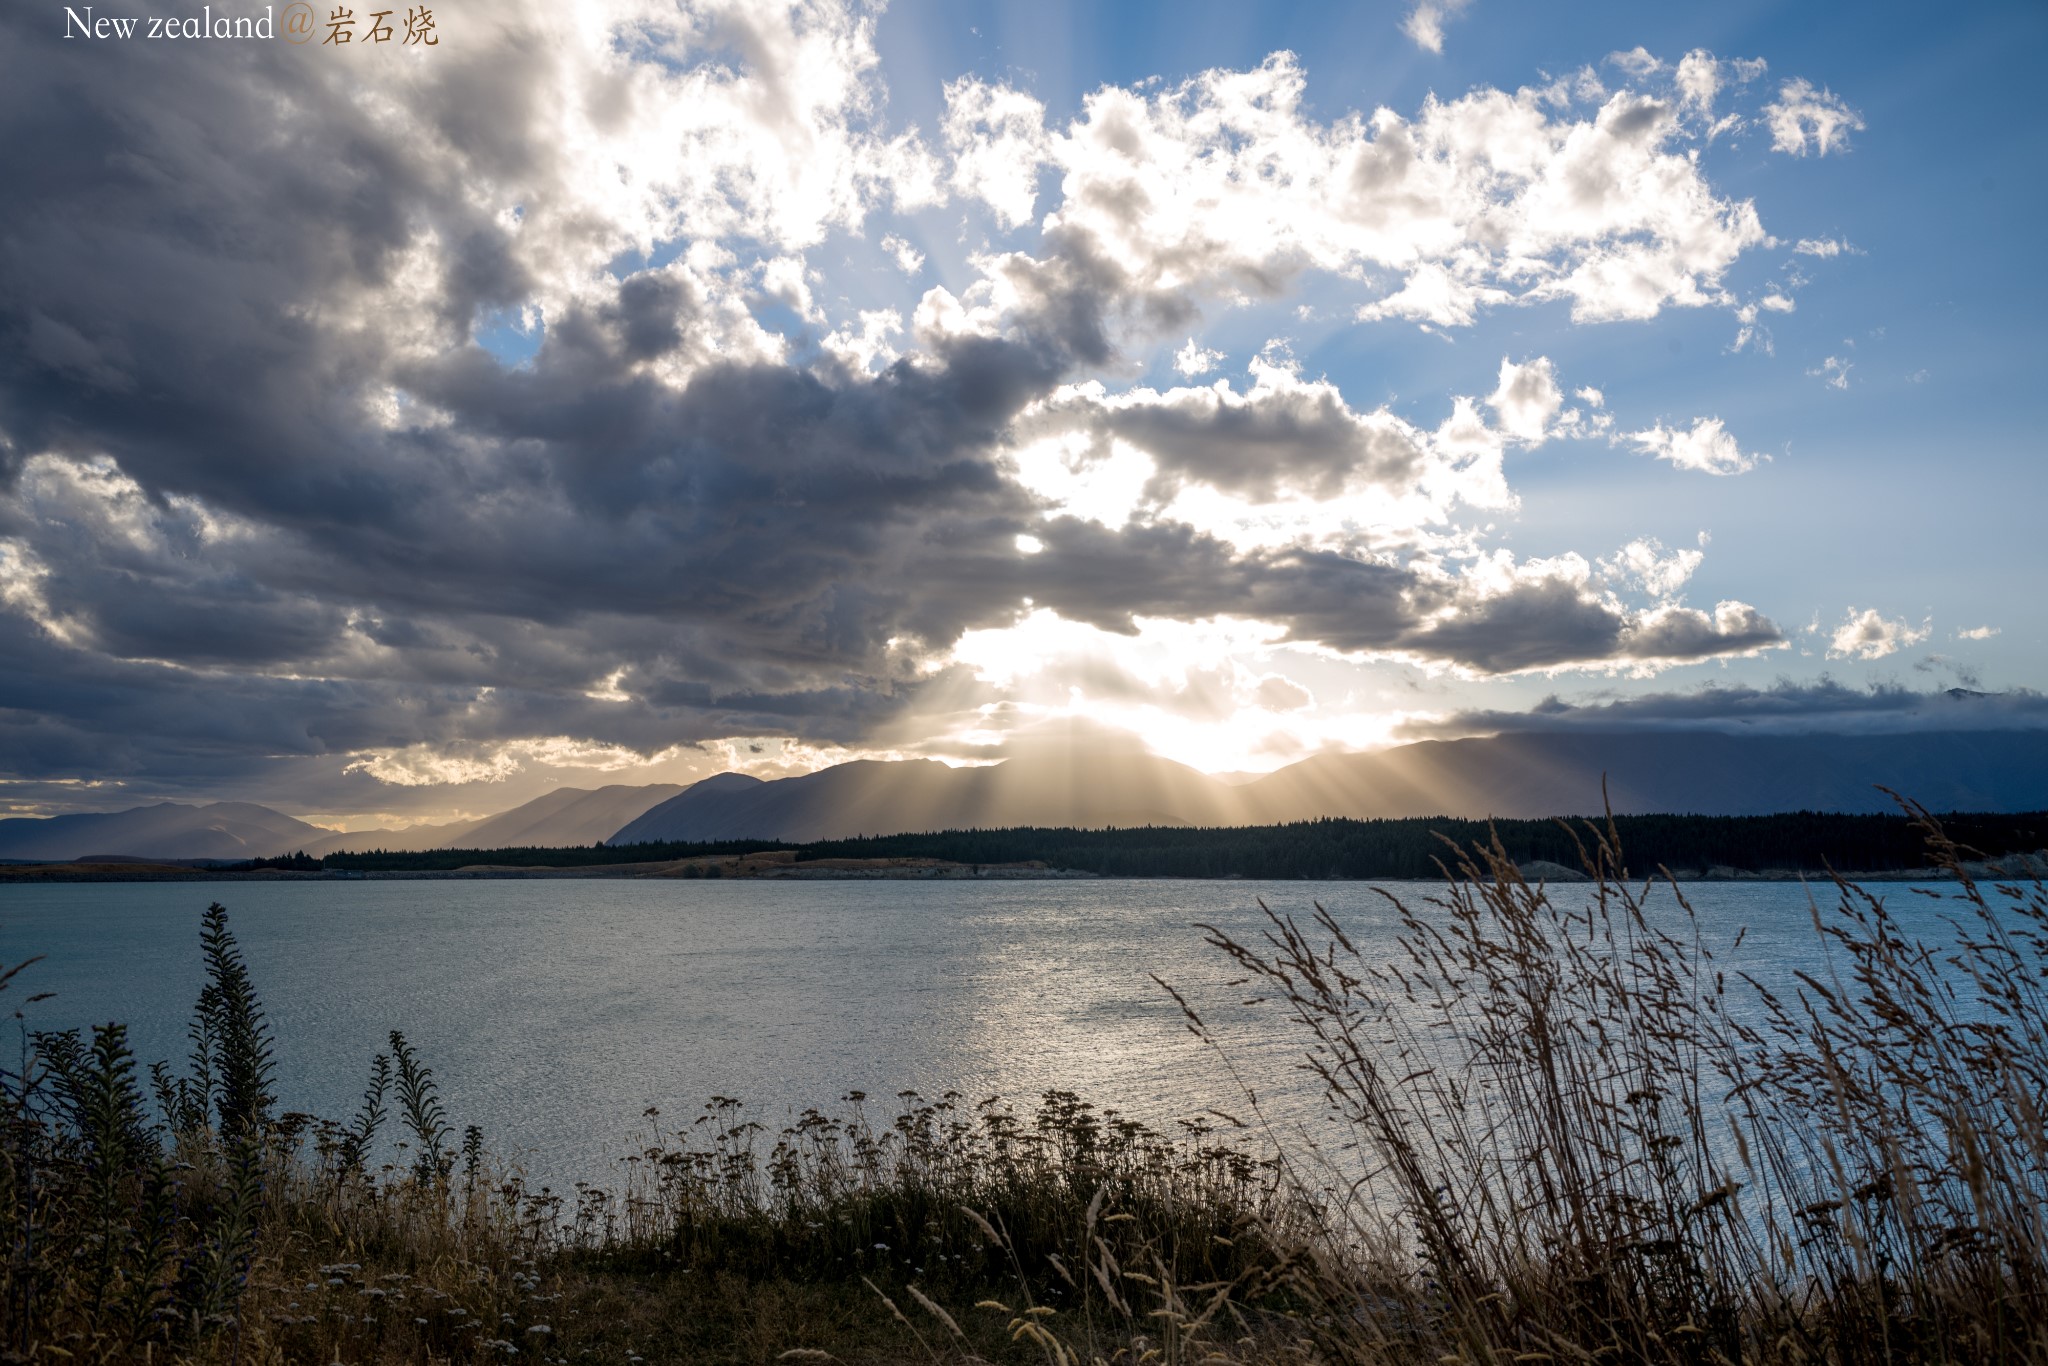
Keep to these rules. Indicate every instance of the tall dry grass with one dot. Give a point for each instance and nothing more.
(1572, 1135)
(1570, 1131)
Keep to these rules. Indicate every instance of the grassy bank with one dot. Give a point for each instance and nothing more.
(1567, 1134)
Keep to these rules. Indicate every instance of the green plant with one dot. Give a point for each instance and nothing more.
(233, 1058)
(419, 1100)
(361, 1133)
(118, 1242)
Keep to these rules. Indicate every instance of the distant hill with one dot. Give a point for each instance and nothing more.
(829, 803)
(874, 797)
(1514, 775)
(221, 830)
(412, 837)
(703, 804)
(243, 830)
(564, 817)
(1698, 772)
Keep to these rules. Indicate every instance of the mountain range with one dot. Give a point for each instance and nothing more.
(1525, 774)
(1531, 774)
(243, 830)
(221, 830)
(874, 797)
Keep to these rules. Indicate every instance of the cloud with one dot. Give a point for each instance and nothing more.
(275, 503)
(1548, 622)
(1222, 188)
(1977, 633)
(1501, 617)
(997, 139)
(1286, 460)
(1835, 370)
(1280, 435)
(869, 347)
(783, 279)
(1867, 635)
(566, 612)
(1194, 359)
(1645, 562)
(1435, 293)
(1803, 117)
(1425, 22)
(1707, 447)
(1637, 62)
(1698, 79)
(1278, 693)
(908, 259)
(1527, 398)
(1785, 707)
(436, 765)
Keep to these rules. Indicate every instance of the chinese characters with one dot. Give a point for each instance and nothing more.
(419, 28)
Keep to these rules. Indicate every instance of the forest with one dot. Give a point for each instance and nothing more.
(1803, 841)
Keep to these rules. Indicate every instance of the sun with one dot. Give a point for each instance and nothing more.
(1220, 695)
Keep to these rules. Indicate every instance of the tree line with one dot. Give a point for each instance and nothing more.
(1410, 848)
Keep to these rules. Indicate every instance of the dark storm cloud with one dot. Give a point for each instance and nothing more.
(1787, 706)
(162, 730)
(171, 282)
(178, 219)
(1108, 577)
(1554, 623)
(1531, 626)
(1678, 634)
(1066, 297)
(1298, 436)
(167, 276)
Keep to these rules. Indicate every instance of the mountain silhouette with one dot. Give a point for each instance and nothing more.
(1088, 782)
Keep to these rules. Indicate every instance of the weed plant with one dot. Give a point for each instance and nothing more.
(1569, 1134)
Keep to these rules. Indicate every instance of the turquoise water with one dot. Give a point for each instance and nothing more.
(555, 1013)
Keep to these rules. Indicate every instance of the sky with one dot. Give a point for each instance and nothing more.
(630, 390)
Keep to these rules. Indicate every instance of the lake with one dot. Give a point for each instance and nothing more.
(555, 1013)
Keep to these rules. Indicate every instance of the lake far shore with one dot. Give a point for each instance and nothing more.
(771, 866)
(835, 870)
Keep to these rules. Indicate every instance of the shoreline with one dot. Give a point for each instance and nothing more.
(775, 867)
(932, 871)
